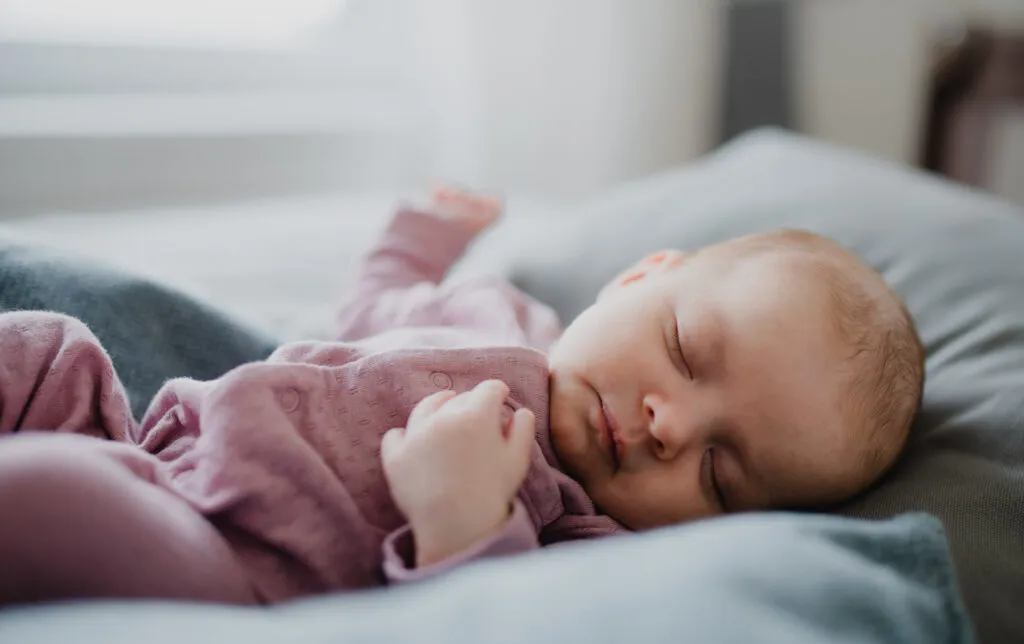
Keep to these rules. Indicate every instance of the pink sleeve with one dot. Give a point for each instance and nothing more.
(517, 536)
(399, 285)
(415, 253)
(54, 375)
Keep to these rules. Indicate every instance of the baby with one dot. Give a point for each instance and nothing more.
(453, 421)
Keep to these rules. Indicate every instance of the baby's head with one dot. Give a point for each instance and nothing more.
(775, 371)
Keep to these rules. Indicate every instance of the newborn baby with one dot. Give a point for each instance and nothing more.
(771, 371)
(452, 421)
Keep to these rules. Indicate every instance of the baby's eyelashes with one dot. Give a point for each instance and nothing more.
(677, 353)
(710, 482)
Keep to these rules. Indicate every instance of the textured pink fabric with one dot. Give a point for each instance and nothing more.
(282, 457)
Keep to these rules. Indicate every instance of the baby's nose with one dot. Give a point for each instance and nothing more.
(667, 431)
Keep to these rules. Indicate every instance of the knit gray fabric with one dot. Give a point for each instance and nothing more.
(151, 331)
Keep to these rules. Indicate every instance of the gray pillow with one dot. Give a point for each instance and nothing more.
(771, 579)
(956, 257)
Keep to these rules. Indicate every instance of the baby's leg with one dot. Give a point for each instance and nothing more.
(80, 519)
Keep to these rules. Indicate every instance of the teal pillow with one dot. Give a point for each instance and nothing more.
(771, 579)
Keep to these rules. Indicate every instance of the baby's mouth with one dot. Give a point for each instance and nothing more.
(608, 436)
(612, 427)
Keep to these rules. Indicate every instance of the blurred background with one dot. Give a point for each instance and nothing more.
(110, 105)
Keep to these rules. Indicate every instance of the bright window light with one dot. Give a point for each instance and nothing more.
(216, 22)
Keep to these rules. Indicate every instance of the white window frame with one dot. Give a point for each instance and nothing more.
(121, 107)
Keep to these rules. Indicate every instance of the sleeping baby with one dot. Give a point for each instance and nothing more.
(452, 421)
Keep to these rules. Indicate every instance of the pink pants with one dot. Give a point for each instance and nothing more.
(84, 517)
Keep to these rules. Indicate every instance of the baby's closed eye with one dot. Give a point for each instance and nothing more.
(677, 353)
(710, 479)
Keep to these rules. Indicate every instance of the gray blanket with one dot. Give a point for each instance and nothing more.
(764, 578)
(151, 331)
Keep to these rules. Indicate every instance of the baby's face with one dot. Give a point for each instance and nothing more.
(705, 384)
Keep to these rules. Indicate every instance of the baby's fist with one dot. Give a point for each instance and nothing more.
(474, 211)
(455, 468)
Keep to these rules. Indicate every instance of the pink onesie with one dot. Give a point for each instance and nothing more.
(266, 484)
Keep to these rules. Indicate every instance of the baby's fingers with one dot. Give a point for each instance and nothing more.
(390, 445)
(426, 407)
(489, 394)
(521, 438)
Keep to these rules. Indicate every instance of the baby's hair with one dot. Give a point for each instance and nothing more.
(886, 354)
(889, 383)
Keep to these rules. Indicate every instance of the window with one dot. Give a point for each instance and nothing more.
(178, 22)
(118, 103)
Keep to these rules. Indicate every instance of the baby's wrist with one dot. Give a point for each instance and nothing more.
(444, 538)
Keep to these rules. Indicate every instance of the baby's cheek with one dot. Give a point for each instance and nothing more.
(656, 498)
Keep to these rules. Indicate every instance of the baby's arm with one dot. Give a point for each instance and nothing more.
(54, 375)
(396, 282)
(400, 281)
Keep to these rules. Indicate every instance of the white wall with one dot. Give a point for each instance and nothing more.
(529, 97)
(862, 66)
(566, 97)
(862, 72)
(1000, 14)
(1007, 162)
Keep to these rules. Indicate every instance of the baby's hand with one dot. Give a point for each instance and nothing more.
(454, 469)
(476, 212)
